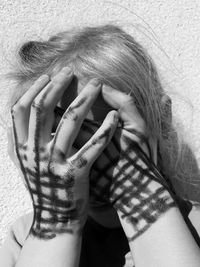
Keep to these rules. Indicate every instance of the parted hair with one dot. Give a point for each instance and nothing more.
(110, 54)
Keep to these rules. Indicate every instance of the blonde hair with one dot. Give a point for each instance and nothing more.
(107, 52)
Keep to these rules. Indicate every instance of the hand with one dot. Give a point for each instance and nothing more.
(55, 174)
(125, 174)
(139, 192)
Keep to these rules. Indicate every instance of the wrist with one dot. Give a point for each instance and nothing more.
(49, 225)
(139, 219)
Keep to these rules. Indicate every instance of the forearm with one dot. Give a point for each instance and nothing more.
(168, 242)
(60, 251)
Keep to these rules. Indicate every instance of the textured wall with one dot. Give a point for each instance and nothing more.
(168, 29)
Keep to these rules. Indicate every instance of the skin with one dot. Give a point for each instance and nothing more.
(107, 215)
(129, 141)
(52, 175)
(167, 240)
(31, 142)
(37, 192)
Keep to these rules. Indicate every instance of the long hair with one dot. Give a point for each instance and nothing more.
(110, 54)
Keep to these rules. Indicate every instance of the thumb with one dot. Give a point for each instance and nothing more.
(97, 143)
(129, 115)
(11, 146)
(128, 112)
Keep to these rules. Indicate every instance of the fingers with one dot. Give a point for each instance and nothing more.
(93, 148)
(131, 118)
(42, 108)
(127, 109)
(12, 152)
(20, 112)
(11, 146)
(72, 119)
(113, 97)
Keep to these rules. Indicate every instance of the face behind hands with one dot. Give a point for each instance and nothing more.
(100, 210)
(103, 214)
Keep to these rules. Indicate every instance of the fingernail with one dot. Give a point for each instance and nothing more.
(107, 89)
(96, 82)
(43, 77)
(67, 70)
(116, 116)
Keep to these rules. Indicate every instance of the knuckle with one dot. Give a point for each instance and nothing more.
(41, 102)
(22, 109)
(56, 82)
(18, 107)
(58, 155)
(79, 161)
(37, 104)
(112, 123)
(14, 109)
(54, 167)
(71, 114)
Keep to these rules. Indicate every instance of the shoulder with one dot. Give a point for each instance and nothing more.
(21, 227)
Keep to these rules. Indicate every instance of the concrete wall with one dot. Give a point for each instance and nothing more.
(168, 29)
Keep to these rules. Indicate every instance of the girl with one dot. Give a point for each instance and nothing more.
(130, 85)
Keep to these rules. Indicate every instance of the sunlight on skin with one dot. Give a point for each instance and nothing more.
(56, 179)
(106, 215)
